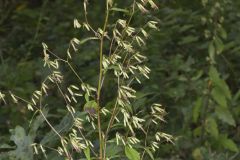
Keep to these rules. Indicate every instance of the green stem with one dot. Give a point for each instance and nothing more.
(100, 82)
(114, 114)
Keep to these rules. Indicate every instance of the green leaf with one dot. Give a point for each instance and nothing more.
(129, 108)
(90, 107)
(6, 146)
(219, 45)
(186, 27)
(211, 52)
(23, 142)
(86, 97)
(218, 82)
(37, 122)
(149, 153)
(188, 39)
(196, 109)
(224, 115)
(197, 131)
(236, 96)
(196, 77)
(223, 33)
(67, 122)
(131, 153)
(228, 144)
(113, 150)
(212, 127)
(219, 97)
(87, 153)
(214, 75)
(197, 155)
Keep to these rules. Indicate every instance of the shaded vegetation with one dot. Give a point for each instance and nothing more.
(194, 58)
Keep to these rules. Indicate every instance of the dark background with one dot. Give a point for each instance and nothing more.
(178, 56)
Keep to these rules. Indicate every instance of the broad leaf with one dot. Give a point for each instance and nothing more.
(131, 153)
(23, 142)
(211, 52)
(90, 107)
(36, 123)
(113, 150)
(219, 97)
(211, 127)
(219, 45)
(218, 82)
(197, 154)
(224, 115)
(63, 127)
(228, 144)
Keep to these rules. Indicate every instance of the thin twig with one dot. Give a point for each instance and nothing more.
(100, 82)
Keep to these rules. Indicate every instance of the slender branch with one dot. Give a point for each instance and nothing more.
(73, 70)
(54, 130)
(81, 133)
(110, 122)
(100, 81)
(145, 142)
(69, 64)
(86, 20)
(50, 125)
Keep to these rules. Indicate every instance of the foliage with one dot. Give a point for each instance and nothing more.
(193, 56)
(196, 80)
(124, 64)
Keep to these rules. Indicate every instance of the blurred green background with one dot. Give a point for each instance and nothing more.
(194, 58)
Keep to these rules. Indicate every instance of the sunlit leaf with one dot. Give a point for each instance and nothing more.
(219, 97)
(225, 115)
(87, 153)
(131, 153)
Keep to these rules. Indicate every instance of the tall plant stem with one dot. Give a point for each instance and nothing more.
(100, 82)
